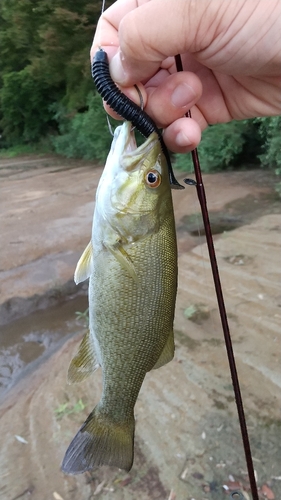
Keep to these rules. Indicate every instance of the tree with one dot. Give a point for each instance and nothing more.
(47, 42)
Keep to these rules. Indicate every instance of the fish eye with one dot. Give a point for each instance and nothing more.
(153, 179)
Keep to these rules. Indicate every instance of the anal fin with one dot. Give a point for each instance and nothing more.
(168, 352)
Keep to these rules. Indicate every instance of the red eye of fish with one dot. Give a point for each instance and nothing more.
(153, 178)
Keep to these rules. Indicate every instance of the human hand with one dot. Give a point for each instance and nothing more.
(231, 54)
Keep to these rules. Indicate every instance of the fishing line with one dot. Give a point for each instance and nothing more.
(101, 13)
(109, 126)
(125, 107)
(220, 299)
(102, 6)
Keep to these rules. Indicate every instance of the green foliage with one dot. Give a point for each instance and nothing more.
(236, 144)
(221, 146)
(86, 135)
(25, 107)
(40, 148)
(270, 132)
(44, 54)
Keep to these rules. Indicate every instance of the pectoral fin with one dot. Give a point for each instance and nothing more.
(84, 265)
(84, 362)
(124, 259)
(168, 352)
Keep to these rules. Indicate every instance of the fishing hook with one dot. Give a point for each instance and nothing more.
(109, 126)
(140, 96)
(190, 182)
(126, 108)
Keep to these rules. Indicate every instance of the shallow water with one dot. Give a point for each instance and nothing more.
(25, 342)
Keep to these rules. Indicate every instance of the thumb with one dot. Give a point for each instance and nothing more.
(158, 29)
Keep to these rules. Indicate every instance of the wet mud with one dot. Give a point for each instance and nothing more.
(188, 443)
(28, 341)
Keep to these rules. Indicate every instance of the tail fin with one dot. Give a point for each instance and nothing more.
(100, 442)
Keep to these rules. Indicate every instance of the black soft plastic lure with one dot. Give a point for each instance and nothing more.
(126, 108)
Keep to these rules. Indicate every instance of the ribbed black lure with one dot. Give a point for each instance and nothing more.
(126, 108)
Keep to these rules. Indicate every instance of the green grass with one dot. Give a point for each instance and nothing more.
(83, 316)
(65, 409)
(41, 148)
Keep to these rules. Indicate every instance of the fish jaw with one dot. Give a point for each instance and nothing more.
(123, 141)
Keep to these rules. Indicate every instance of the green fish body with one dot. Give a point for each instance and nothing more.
(132, 265)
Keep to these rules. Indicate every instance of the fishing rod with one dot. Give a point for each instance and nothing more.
(130, 111)
(223, 315)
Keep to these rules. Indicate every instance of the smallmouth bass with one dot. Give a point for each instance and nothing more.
(132, 265)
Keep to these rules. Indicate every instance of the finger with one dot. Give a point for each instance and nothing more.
(106, 35)
(182, 135)
(184, 26)
(172, 98)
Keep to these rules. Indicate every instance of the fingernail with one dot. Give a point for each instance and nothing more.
(182, 140)
(116, 69)
(182, 95)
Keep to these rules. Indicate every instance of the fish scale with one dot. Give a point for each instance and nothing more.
(132, 264)
(138, 303)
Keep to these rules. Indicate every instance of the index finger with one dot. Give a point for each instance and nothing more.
(106, 35)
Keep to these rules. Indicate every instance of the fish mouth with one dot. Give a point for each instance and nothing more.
(132, 153)
(126, 133)
(124, 138)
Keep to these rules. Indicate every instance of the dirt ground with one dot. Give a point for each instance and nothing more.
(188, 444)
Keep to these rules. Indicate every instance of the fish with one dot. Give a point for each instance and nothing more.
(131, 263)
